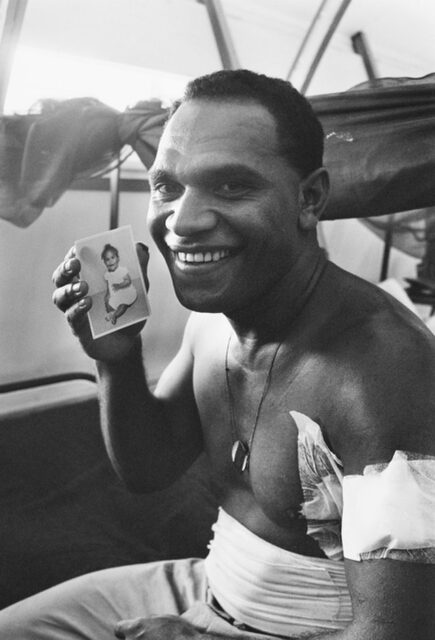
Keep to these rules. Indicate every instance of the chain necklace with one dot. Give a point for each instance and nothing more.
(241, 451)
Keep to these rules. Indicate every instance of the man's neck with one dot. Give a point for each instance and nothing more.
(270, 318)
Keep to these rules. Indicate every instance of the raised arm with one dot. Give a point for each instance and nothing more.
(151, 438)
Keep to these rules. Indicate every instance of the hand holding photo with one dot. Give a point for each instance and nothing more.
(110, 266)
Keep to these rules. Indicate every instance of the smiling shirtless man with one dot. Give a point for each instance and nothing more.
(311, 391)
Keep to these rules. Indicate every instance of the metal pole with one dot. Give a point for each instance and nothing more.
(388, 241)
(324, 44)
(115, 178)
(12, 15)
(361, 47)
(222, 34)
(306, 39)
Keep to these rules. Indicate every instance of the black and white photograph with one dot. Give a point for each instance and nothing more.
(116, 286)
(217, 328)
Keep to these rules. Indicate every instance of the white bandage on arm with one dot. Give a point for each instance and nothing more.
(389, 511)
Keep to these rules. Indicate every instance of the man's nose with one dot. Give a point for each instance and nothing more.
(191, 214)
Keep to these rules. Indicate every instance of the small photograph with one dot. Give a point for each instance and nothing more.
(111, 268)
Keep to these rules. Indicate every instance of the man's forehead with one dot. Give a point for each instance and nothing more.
(205, 124)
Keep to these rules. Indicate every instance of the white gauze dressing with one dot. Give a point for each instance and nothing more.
(389, 510)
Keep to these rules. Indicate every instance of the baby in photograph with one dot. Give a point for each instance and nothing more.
(120, 294)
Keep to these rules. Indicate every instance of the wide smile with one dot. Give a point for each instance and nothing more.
(198, 258)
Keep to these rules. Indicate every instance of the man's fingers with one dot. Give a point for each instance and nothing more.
(76, 314)
(144, 255)
(68, 270)
(69, 289)
(64, 297)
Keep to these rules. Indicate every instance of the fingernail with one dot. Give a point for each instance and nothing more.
(67, 267)
(83, 303)
(76, 287)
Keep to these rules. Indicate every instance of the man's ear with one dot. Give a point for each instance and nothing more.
(313, 195)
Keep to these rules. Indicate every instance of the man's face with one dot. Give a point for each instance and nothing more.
(224, 205)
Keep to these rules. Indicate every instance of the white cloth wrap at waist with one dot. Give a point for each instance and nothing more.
(271, 589)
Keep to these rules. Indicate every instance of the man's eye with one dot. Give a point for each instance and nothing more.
(166, 189)
(232, 189)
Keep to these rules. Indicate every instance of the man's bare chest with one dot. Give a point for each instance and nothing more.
(262, 422)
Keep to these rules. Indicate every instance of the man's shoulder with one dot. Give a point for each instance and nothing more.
(381, 339)
(380, 361)
(369, 320)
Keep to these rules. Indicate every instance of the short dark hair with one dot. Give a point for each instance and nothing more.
(300, 133)
(107, 248)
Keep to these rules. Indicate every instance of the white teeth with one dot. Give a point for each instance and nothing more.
(200, 257)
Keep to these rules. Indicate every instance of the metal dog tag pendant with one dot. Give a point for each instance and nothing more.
(240, 456)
